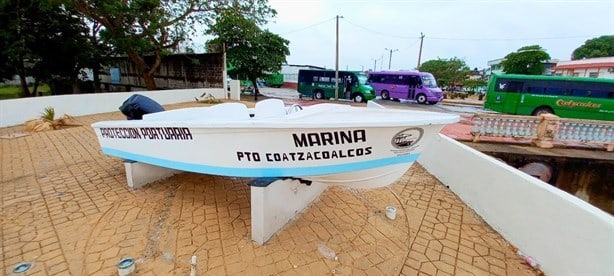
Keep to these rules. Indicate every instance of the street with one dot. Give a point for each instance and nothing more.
(467, 106)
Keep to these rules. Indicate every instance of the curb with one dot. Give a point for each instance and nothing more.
(462, 102)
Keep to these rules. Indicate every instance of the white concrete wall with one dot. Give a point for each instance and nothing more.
(566, 235)
(17, 111)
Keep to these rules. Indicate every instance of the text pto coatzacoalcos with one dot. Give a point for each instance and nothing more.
(315, 139)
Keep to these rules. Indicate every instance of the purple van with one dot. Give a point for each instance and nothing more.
(406, 85)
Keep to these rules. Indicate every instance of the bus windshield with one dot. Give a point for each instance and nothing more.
(362, 79)
(429, 81)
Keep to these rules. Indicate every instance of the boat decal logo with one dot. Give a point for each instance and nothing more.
(407, 137)
(146, 133)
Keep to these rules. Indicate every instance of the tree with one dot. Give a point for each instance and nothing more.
(473, 84)
(602, 46)
(253, 52)
(40, 39)
(155, 27)
(100, 52)
(15, 37)
(528, 60)
(448, 72)
(64, 51)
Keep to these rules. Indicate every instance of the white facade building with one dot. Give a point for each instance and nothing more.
(602, 67)
(496, 67)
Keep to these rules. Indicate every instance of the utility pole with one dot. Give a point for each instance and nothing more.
(337, 61)
(390, 59)
(374, 64)
(420, 53)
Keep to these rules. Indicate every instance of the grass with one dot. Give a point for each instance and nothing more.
(48, 114)
(14, 91)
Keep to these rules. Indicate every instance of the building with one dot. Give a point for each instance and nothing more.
(176, 71)
(602, 67)
(496, 67)
(477, 74)
(290, 72)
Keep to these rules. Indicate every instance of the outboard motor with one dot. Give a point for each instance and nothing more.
(138, 105)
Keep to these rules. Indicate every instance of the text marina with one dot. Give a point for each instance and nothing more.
(329, 138)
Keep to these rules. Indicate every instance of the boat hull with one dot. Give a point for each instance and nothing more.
(332, 144)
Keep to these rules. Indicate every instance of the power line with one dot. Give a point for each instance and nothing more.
(509, 39)
(468, 39)
(437, 38)
(413, 44)
(377, 32)
(310, 26)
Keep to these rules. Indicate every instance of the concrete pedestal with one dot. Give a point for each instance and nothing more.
(278, 203)
(140, 174)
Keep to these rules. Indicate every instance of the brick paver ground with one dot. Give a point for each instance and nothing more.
(67, 210)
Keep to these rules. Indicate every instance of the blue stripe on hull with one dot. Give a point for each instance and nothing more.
(262, 172)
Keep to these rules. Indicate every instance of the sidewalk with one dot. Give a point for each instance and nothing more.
(467, 101)
(66, 210)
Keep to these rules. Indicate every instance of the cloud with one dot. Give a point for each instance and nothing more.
(476, 31)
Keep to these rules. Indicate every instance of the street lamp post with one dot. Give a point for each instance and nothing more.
(390, 59)
(337, 59)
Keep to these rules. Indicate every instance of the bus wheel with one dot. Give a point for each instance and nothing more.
(421, 99)
(358, 98)
(542, 110)
(385, 95)
(318, 95)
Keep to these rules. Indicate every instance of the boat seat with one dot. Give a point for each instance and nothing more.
(269, 108)
(218, 112)
(227, 112)
(183, 114)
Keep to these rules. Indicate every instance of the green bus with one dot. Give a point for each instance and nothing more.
(274, 80)
(568, 97)
(320, 84)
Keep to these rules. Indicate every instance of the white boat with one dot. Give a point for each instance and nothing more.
(336, 144)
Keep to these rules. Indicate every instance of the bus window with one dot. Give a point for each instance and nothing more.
(535, 90)
(414, 81)
(553, 90)
(504, 85)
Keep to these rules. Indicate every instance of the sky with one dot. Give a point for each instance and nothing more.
(374, 32)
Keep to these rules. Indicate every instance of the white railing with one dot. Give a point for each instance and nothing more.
(545, 131)
(508, 126)
(585, 131)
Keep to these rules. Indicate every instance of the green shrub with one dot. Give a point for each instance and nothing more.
(14, 91)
